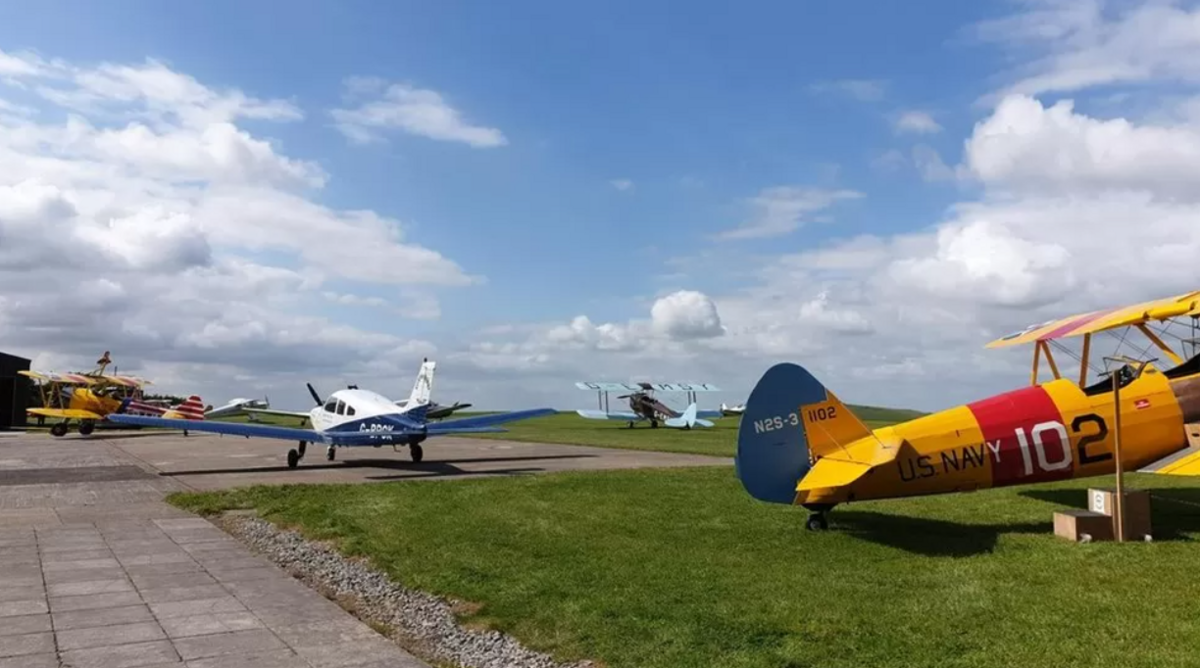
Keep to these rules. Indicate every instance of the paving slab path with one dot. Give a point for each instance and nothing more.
(96, 571)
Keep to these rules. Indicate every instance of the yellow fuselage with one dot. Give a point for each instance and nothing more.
(1046, 432)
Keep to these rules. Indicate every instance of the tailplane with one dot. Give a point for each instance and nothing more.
(688, 419)
(790, 421)
(191, 409)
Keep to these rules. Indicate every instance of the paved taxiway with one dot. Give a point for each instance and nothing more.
(96, 570)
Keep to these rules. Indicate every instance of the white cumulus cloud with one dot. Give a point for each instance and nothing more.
(417, 111)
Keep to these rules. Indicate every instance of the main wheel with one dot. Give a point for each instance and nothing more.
(330, 453)
(58, 429)
(86, 427)
(654, 424)
(416, 452)
(293, 458)
(303, 447)
(817, 522)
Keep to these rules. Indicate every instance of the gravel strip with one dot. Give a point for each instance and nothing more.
(422, 623)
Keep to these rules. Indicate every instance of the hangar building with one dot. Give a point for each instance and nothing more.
(14, 391)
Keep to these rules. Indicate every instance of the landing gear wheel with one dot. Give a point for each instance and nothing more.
(293, 458)
(303, 447)
(86, 428)
(330, 453)
(416, 451)
(817, 522)
(654, 424)
(631, 424)
(58, 429)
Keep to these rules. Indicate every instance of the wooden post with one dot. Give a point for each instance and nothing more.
(1119, 504)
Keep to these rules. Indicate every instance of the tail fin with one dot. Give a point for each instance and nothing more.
(423, 387)
(791, 420)
(686, 420)
(191, 409)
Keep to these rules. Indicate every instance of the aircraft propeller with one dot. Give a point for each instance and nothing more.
(316, 397)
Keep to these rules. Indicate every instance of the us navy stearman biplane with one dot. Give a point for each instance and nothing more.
(643, 406)
(94, 396)
(351, 418)
(798, 444)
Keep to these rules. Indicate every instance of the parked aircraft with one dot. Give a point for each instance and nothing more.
(643, 406)
(94, 396)
(798, 444)
(421, 394)
(351, 418)
(732, 410)
(236, 406)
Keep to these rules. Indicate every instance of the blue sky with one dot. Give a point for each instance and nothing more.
(699, 109)
(899, 184)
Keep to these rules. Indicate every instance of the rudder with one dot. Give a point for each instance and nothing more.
(789, 422)
(191, 409)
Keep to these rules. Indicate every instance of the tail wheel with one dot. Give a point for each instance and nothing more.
(416, 451)
(86, 427)
(293, 458)
(58, 429)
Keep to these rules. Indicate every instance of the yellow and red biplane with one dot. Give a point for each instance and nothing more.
(91, 397)
(798, 444)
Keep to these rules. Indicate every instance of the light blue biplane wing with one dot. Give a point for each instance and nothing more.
(614, 415)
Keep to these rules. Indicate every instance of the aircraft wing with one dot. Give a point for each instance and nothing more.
(274, 411)
(50, 376)
(228, 428)
(709, 414)
(614, 415)
(473, 425)
(65, 413)
(638, 387)
(1098, 321)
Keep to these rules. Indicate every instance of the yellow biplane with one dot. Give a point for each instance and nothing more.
(93, 396)
(799, 445)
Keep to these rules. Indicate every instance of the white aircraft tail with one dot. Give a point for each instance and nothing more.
(423, 387)
(688, 419)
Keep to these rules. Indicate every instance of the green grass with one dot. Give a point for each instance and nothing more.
(681, 568)
(571, 429)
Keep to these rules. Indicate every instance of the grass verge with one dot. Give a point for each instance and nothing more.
(680, 568)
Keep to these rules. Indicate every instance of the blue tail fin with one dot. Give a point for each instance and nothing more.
(772, 453)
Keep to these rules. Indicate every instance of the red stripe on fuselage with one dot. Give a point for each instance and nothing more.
(1025, 437)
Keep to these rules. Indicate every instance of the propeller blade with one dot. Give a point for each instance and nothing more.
(316, 397)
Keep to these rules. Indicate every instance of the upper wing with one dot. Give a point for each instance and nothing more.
(230, 428)
(125, 381)
(615, 415)
(640, 387)
(1098, 321)
(474, 424)
(73, 378)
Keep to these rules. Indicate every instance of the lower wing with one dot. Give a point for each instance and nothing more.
(616, 415)
(272, 411)
(65, 413)
(228, 428)
(472, 425)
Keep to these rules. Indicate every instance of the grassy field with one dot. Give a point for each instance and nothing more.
(681, 568)
(720, 440)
